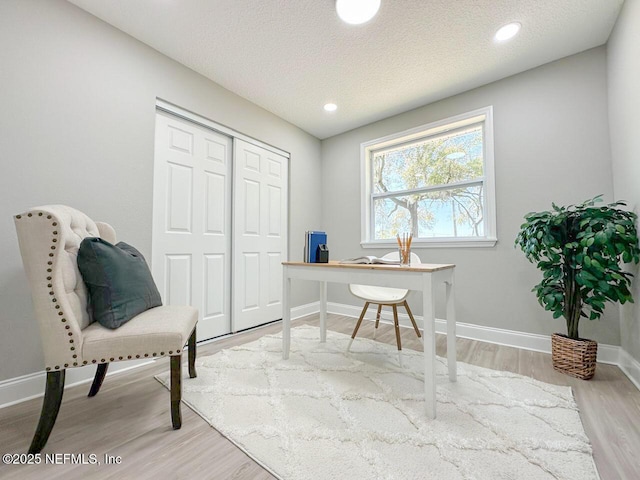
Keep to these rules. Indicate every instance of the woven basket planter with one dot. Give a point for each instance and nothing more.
(574, 357)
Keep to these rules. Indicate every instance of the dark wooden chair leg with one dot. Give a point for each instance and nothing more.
(98, 379)
(192, 355)
(176, 390)
(364, 310)
(50, 408)
(413, 320)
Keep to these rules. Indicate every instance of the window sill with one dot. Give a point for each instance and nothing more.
(435, 243)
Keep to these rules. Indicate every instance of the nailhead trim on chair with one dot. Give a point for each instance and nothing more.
(130, 357)
(54, 240)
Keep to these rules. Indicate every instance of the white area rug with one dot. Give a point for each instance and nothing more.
(325, 414)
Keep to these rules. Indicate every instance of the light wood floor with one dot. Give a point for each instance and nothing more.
(130, 417)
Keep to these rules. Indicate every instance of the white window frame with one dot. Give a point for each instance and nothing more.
(481, 115)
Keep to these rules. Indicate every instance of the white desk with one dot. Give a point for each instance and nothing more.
(422, 277)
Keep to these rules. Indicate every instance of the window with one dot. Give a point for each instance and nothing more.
(435, 181)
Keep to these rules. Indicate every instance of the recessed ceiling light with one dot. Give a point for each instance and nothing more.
(507, 32)
(330, 107)
(356, 12)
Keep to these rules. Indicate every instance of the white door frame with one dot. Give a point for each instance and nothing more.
(218, 127)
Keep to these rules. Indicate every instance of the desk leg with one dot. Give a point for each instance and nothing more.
(451, 330)
(429, 315)
(323, 312)
(286, 314)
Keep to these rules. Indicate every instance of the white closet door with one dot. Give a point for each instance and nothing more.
(192, 220)
(260, 234)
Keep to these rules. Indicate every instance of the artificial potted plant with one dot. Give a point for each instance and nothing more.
(579, 250)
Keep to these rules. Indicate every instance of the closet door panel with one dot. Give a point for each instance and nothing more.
(259, 229)
(192, 220)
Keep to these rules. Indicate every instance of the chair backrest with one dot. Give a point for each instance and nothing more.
(358, 291)
(49, 238)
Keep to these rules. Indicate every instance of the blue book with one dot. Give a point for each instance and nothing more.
(314, 239)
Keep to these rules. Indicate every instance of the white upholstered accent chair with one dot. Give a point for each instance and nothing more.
(49, 239)
(384, 296)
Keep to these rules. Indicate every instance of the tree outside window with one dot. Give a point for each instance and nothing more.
(433, 187)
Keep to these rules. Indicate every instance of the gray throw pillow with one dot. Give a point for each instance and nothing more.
(118, 279)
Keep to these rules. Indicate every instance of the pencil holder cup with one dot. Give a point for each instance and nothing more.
(405, 255)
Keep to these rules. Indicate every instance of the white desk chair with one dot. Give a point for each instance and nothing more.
(384, 296)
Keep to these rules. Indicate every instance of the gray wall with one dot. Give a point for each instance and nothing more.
(623, 56)
(77, 127)
(551, 144)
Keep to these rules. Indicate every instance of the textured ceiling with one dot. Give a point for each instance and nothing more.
(293, 56)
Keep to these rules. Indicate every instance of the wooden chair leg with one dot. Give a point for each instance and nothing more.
(397, 325)
(192, 354)
(176, 390)
(364, 310)
(413, 320)
(50, 408)
(98, 379)
(378, 313)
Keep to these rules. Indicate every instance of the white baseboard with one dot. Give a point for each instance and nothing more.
(631, 367)
(528, 341)
(304, 310)
(26, 387)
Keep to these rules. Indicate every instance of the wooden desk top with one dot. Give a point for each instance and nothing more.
(416, 267)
